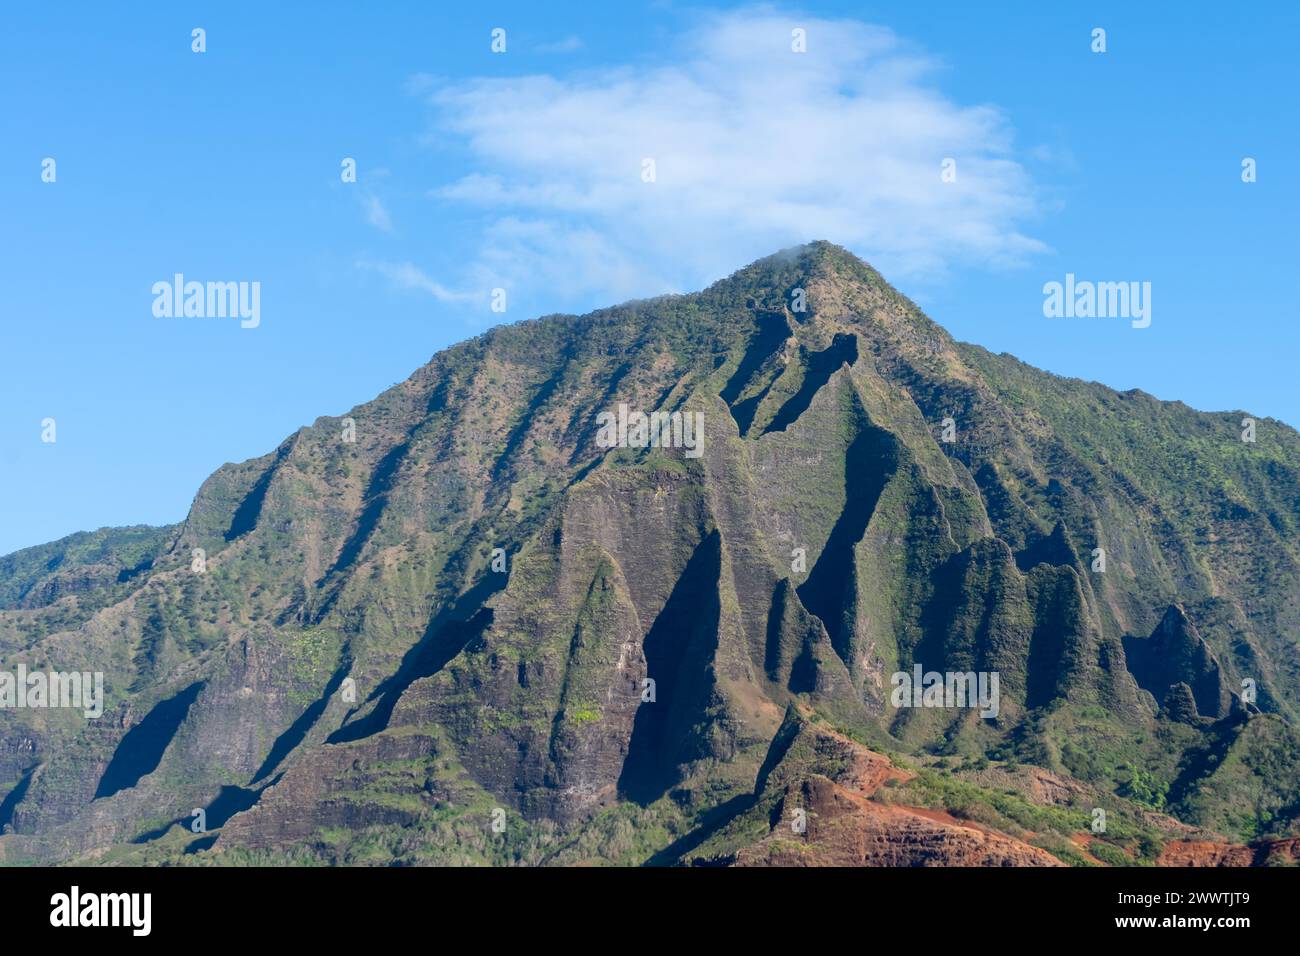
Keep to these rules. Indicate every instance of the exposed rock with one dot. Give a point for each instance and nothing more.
(476, 606)
(845, 829)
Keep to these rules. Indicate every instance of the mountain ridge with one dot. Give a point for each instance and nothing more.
(372, 562)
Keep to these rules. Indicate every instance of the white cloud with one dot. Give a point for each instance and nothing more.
(377, 213)
(569, 44)
(406, 275)
(420, 83)
(756, 148)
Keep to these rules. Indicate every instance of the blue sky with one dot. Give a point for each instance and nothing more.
(522, 170)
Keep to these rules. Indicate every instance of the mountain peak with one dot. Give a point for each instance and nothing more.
(454, 596)
(811, 261)
(827, 288)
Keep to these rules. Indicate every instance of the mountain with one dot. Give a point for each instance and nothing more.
(481, 619)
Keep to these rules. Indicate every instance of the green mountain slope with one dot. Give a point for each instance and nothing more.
(432, 643)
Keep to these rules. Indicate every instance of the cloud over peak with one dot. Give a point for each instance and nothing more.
(659, 177)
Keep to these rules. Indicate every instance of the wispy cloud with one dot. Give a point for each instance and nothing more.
(570, 44)
(406, 275)
(377, 213)
(754, 147)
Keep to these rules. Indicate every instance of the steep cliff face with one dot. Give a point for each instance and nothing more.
(455, 625)
(1175, 656)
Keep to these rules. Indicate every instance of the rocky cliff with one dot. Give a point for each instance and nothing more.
(454, 625)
